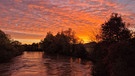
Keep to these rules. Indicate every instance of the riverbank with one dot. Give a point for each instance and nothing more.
(7, 55)
(8, 48)
(115, 59)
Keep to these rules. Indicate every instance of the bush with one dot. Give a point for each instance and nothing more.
(7, 49)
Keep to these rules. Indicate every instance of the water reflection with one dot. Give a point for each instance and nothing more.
(65, 66)
(33, 64)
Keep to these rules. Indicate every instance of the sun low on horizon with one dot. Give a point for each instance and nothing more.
(28, 21)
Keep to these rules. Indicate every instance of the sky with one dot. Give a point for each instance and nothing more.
(29, 20)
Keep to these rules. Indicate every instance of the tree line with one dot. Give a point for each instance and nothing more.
(9, 48)
(63, 43)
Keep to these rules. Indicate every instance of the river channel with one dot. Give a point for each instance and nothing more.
(39, 64)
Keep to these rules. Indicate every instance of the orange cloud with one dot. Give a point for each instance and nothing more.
(30, 20)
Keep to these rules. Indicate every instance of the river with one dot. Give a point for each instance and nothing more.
(34, 64)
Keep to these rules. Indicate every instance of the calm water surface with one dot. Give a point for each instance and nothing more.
(34, 64)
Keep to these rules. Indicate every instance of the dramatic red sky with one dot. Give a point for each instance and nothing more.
(29, 20)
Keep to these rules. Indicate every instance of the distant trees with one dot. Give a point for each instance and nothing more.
(17, 47)
(46, 44)
(63, 42)
(114, 29)
(60, 43)
(8, 48)
(32, 47)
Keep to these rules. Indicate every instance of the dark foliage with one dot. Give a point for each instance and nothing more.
(100, 51)
(8, 48)
(115, 55)
(32, 47)
(121, 59)
(115, 30)
(79, 51)
(117, 59)
(64, 43)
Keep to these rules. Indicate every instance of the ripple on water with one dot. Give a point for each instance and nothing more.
(32, 64)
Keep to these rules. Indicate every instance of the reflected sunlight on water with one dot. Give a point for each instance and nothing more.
(33, 64)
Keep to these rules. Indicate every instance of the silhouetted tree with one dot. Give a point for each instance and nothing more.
(17, 47)
(4, 39)
(114, 29)
(115, 55)
(16, 43)
(46, 44)
(64, 43)
(8, 49)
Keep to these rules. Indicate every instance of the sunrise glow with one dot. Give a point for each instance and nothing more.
(29, 20)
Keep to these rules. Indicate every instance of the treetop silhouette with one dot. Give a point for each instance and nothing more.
(114, 29)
